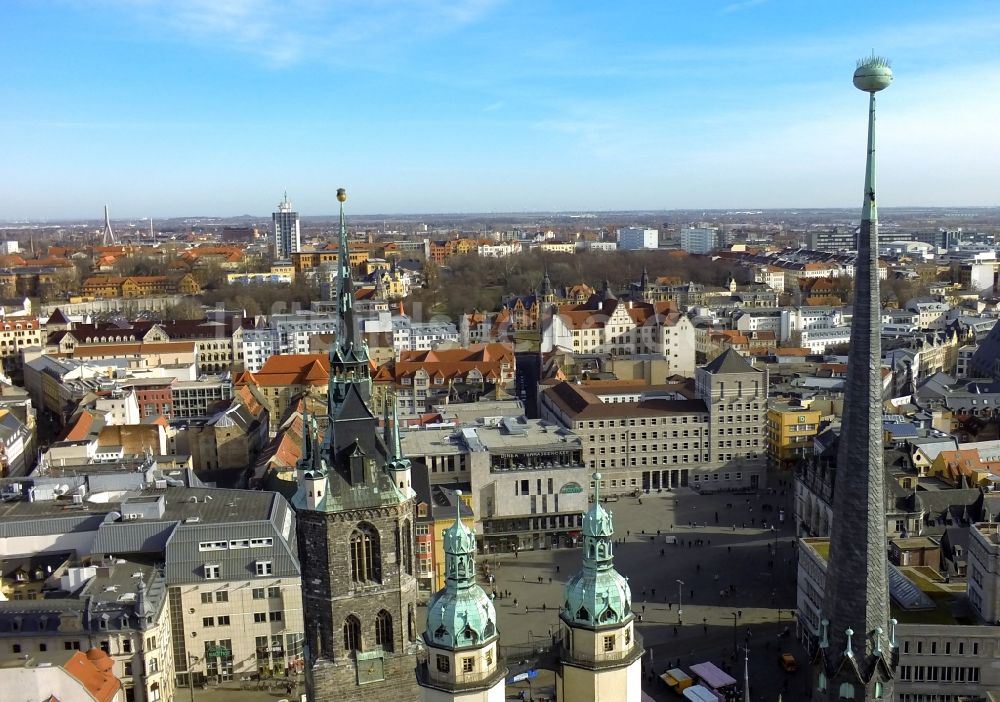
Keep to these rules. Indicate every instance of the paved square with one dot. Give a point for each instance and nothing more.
(726, 568)
(723, 557)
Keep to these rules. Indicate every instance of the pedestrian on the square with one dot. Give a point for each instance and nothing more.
(652, 593)
(670, 606)
(515, 602)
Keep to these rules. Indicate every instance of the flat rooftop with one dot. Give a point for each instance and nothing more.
(206, 505)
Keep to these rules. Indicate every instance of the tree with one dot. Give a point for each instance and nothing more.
(187, 308)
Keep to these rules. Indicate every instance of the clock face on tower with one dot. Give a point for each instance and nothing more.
(371, 670)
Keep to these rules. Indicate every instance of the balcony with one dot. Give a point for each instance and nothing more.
(466, 682)
(610, 659)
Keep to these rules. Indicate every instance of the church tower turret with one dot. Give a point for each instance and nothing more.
(546, 294)
(600, 653)
(461, 637)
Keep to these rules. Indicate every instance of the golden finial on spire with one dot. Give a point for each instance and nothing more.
(341, 194)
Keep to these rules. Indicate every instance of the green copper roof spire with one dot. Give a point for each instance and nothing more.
(598, 594)
(462, 614)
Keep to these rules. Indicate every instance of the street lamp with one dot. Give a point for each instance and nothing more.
(191, 659)
(736, 645)
(680, 596)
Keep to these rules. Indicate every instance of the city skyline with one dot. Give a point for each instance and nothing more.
(215, 108)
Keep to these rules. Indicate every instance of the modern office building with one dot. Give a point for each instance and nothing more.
(636, 238)
(699, 240)
(285, 230)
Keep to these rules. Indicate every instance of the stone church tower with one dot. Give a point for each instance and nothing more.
(355, 535)
(600, 656)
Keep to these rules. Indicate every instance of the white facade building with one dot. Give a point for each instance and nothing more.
(819, 339)
(284, 334)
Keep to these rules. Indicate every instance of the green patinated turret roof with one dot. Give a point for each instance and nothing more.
(461, 615)
(598, 595)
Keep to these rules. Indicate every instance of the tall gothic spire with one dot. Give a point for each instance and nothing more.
(349, 333)
(349, 356)
(857, 656)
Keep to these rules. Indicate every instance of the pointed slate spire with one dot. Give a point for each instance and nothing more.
(349, 333)
(859, 655)
(307, 448)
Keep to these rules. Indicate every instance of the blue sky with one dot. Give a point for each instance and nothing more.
(187, 107)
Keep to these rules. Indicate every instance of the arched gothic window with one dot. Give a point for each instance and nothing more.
(407, 547)
(383, 630)
(366, 558)
(846, 691)
(352, 633)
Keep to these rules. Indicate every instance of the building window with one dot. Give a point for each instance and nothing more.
(383, 630)
(223, 620)
(365, 556)
(213, 572)
(275, 616)
(264, 568)
(208, 621)
(274, 591)
(222, 595)
(468, 664)
(407, 538)
(259, 617)
(352, 633)
(258, 593)
(443, 664)
(609, 643)
(206, 597)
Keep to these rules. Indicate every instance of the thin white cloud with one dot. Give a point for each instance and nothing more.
(299, 31)
(498, 105)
